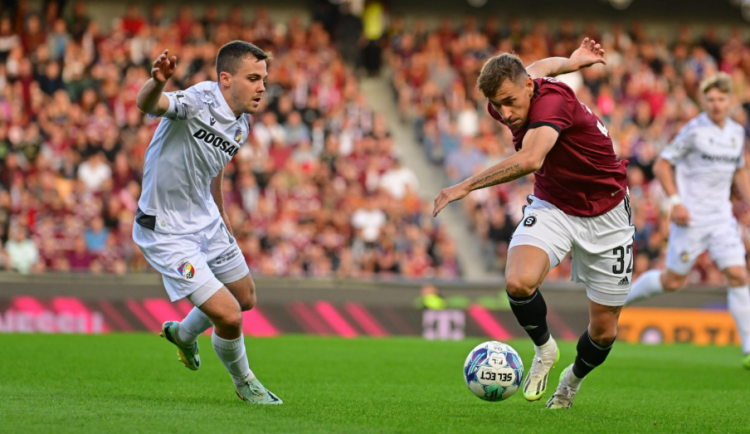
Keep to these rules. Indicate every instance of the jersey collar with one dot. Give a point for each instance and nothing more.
(536, 90)
(225, 109)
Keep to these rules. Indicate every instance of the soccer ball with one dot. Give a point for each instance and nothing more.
(493, 371)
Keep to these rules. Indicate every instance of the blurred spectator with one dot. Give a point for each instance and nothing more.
(369, 220)
(94, 171)
(96, 236)
(22, 253)
(399, 181)
(430, 298)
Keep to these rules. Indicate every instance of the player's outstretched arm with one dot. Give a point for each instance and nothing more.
(536, 145)
(150, 98)
(589, 53)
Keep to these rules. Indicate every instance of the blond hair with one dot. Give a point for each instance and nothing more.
(721, 81)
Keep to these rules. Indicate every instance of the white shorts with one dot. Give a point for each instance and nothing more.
(723, 242)
(193, 265)
(602, 246)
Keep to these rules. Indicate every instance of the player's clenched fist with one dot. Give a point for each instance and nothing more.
(448, 195)
(163, 67)
(680, 215)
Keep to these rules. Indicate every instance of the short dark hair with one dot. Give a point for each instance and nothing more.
(496, 70)
(232, 53)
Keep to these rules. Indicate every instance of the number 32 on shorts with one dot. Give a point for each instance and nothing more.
(620, 253)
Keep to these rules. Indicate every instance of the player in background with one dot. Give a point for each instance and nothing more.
(696, 171)
(181, 227)
(580, 203)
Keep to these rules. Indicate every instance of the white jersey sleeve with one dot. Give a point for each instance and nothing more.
(184, 104)
(682, 144)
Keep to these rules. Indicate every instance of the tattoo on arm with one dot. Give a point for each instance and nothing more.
(498, 176)
(614, 309)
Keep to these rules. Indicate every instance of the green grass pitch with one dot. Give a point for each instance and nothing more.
(133, 383)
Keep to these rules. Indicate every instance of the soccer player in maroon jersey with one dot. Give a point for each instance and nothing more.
(580, 203)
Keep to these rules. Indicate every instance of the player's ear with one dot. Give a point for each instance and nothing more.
(529, 86)
(225, 78)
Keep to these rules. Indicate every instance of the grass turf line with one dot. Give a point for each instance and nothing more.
(133, 383)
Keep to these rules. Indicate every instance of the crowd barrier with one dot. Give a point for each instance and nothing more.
(350, 308)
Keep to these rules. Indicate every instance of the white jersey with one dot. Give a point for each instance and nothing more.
(705, 158)
(196, 139)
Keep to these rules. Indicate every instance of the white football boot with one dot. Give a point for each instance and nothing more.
(545, 359)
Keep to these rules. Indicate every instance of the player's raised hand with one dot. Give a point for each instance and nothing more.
(589, 53)
(680, 215)
(448, 195)
(163, 67)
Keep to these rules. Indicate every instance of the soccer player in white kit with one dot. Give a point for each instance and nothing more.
(181, 227)
(704, 159)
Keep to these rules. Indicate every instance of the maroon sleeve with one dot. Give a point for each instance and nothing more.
(552, 109)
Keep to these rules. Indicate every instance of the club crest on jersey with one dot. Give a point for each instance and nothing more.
(238, 135)
(186, 269)
(529, 221)
(684, 256)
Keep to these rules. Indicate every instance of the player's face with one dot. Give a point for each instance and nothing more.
(512, 102)
(716, 105)
(248, 85)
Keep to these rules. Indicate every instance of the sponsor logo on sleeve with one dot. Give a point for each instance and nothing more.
(529, 221)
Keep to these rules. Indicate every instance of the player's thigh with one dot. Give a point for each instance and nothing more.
(728, 252)
(179, 259)
(539, 243)
(244, 291)
(684, 246)
(227, 263)
(603, 256)
(603, 322)
(525, 270)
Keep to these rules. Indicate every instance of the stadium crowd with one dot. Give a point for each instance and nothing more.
(646, 92)
(317, 190)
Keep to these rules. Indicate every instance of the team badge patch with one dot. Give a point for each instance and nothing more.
(238, 135)
(529, 221)
(186, 269)
(684, 256)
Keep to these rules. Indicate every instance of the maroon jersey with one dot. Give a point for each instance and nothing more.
(581, 174)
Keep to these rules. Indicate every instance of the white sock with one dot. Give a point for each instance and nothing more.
(738, 300)
(548, 349)
(646, 286)
(195, 323)
(570, 378)
(232, 354)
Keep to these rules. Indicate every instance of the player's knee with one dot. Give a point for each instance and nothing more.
(672, 285)
(230, 320)
(519, 286)
(736, 276)
(603, 335)
(249, 302)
